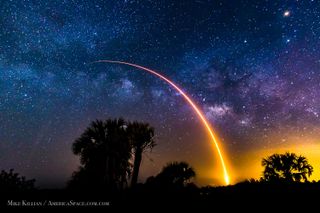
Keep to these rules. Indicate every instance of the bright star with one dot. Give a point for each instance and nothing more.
(286, 13)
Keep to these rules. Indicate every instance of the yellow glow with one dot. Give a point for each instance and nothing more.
(192, 104)
(249, 163)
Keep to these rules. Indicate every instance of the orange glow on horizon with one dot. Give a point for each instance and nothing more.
(249, 163)
(192, 104)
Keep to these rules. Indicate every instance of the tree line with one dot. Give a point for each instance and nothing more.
(111, 152)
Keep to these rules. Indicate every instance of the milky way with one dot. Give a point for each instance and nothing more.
(253, 66)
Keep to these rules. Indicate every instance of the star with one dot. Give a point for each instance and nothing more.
(286, 13)
(252, 71)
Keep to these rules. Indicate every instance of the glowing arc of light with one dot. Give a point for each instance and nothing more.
(192, 104)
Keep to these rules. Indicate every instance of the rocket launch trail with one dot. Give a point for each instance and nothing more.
(191, 103)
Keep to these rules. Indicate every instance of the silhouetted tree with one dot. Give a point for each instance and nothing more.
(286, 167)
(11, 181)
(105, 153)
(175, 174)
(141, 136)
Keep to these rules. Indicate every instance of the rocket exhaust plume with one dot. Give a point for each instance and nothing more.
(192, 104)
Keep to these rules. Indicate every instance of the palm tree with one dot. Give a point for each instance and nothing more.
(105, 153)
(286, 167)
(176, 173)
(141, 136)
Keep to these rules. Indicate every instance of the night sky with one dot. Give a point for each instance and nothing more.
(252, 66)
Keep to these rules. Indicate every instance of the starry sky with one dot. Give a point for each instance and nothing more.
(251, 66)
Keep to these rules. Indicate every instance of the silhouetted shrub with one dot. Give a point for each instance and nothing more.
(11, 181)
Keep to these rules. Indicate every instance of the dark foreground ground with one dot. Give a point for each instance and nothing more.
(241, 198)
